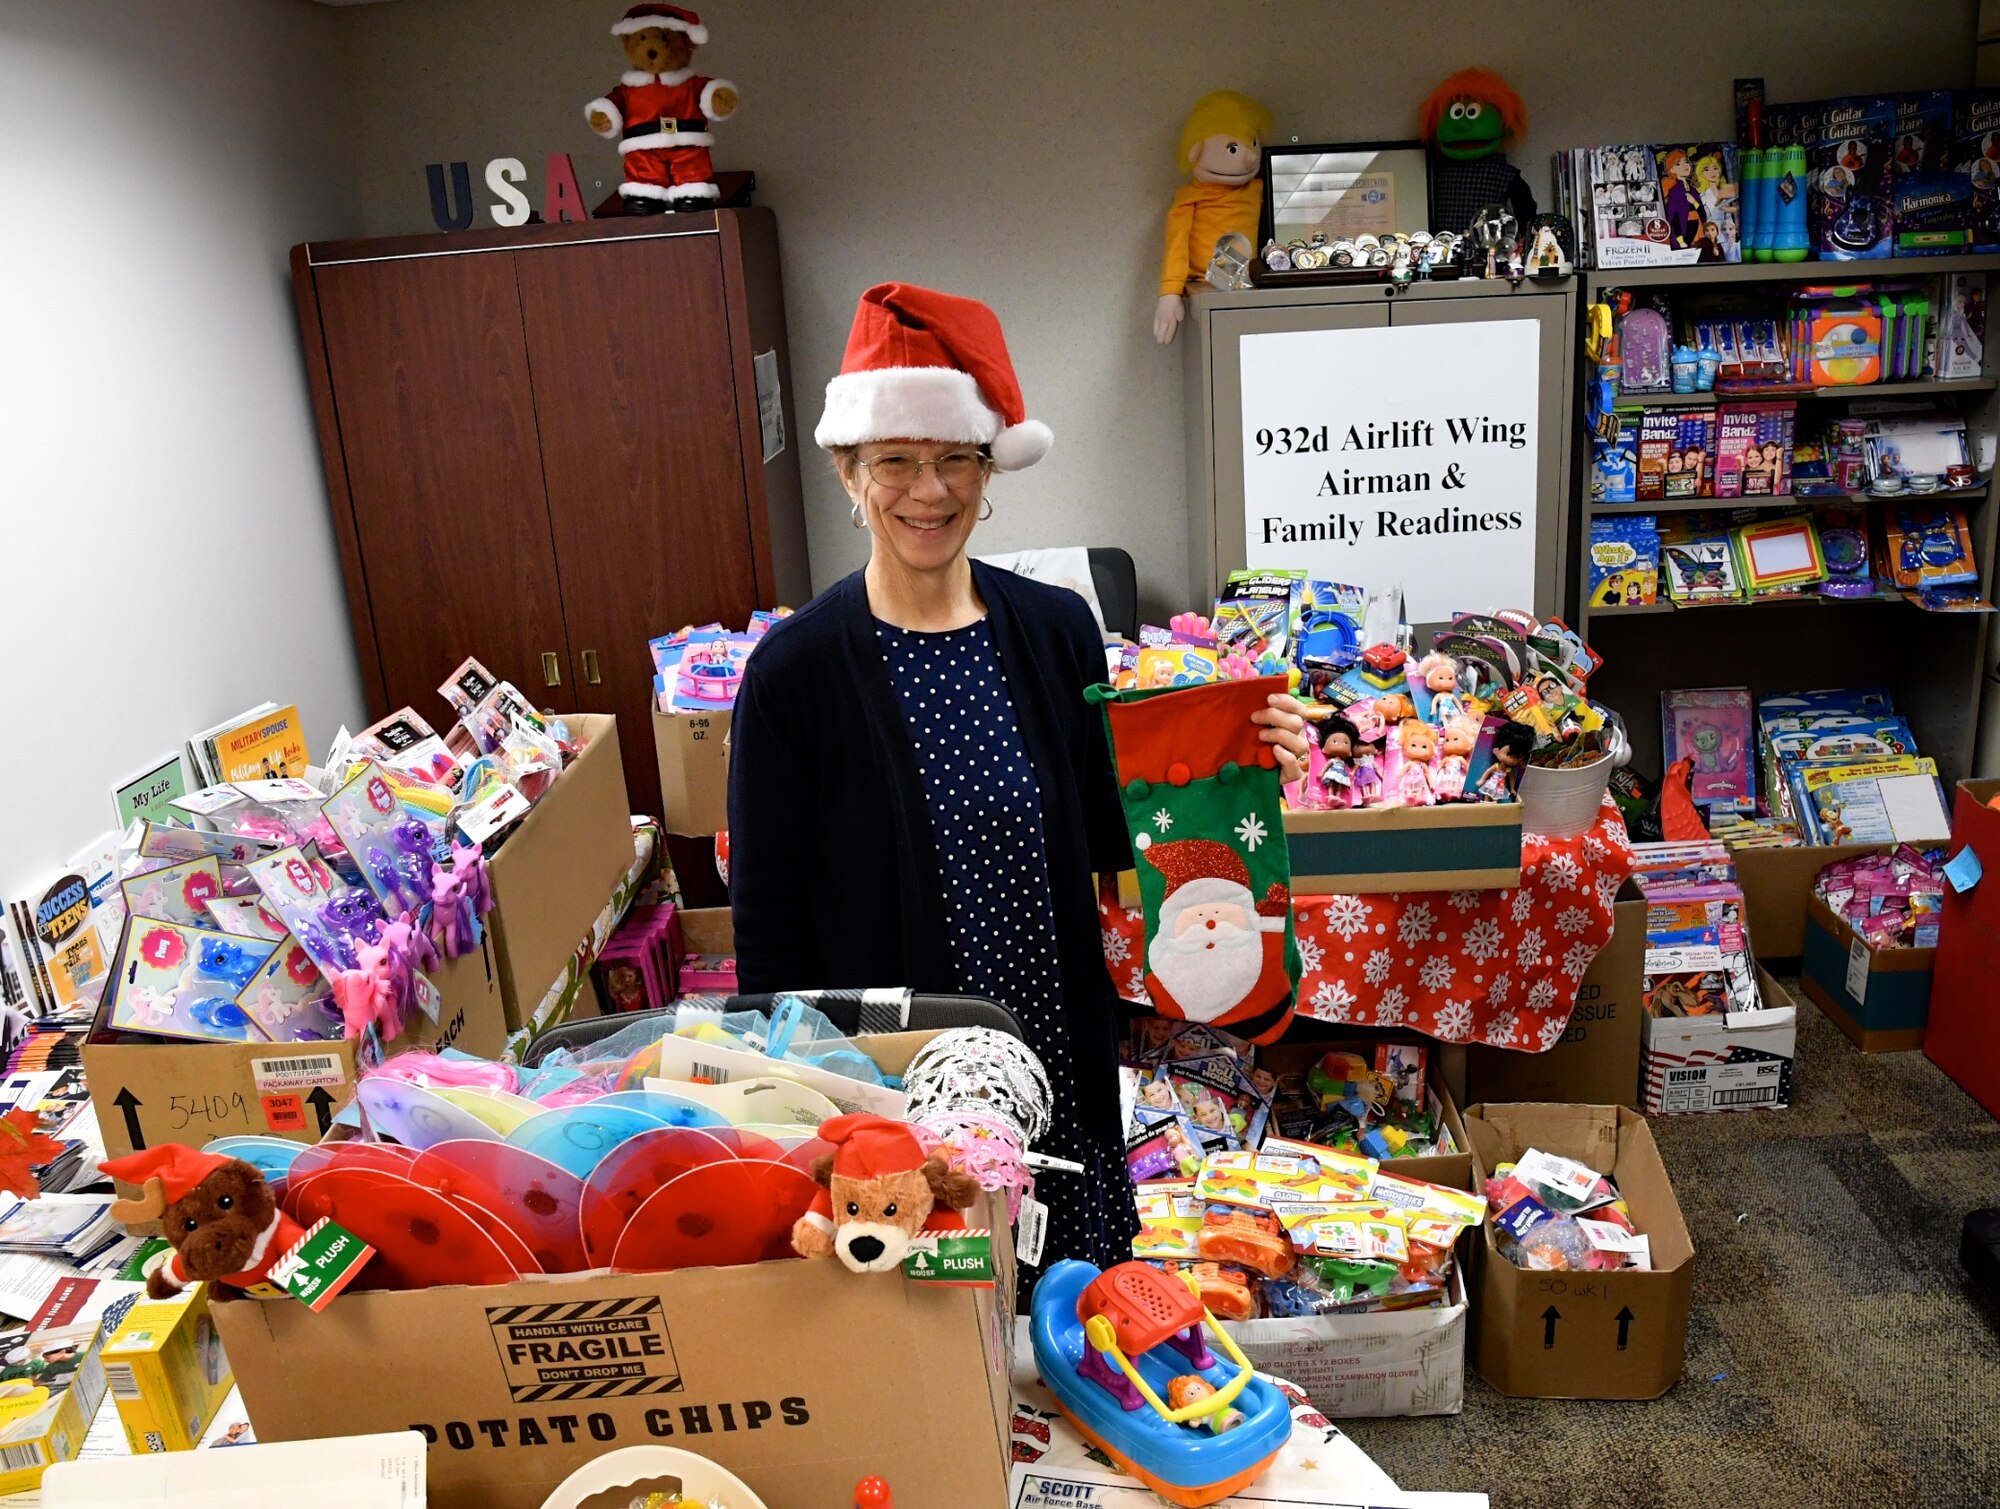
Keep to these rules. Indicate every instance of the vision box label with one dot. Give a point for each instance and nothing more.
(587, 1349)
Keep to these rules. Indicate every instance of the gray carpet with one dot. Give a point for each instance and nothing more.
(1836, 1355)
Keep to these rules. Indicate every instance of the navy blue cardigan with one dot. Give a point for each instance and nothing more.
(833, 871)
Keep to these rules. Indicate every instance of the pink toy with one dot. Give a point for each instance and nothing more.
(460, 897)
(424, 1068)
(365, 1001)
(1192, 626)
(1417, 741)
(1236, 666)
(1459, 738)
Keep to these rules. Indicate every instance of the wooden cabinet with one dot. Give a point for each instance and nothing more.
(543, 446)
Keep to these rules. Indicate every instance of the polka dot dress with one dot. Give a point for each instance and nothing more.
(986, 814)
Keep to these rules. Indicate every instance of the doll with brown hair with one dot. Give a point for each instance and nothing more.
(1337, 741)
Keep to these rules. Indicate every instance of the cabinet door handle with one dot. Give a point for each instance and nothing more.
(590, 671)
(551, 670)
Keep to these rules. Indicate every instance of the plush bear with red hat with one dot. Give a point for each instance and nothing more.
(217, 1213)
(880, 1190)
(924, 365)
(661, 110)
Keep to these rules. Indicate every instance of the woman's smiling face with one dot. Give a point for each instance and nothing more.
(923, 520)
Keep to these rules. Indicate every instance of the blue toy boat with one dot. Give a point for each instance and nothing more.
(1111, 1347)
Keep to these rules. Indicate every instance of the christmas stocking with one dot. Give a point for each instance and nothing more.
(1201, 798)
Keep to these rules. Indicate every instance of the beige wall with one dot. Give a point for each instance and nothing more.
(1021, 153)
(166, 556)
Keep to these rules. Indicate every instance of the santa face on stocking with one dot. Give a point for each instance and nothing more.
(1218, 954)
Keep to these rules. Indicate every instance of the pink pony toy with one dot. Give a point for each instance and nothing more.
(460, 897)
(410, 947)
(366, 998)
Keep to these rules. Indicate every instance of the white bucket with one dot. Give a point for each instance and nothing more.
(1563, 803)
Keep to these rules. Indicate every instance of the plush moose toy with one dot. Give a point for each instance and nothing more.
(217, 1213)
(880, 1191)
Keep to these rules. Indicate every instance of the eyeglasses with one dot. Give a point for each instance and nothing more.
(955, 470)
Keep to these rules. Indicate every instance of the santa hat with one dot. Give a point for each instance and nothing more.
(923, 365)
(666, 17)
(1199, 871)
(869, 1147)
(179, 1169)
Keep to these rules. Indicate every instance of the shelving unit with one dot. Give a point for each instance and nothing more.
(1937, 664)
(1912, 388)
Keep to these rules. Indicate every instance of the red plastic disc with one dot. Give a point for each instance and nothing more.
(632, 1172)
(297, 1198)
(540, 1200)
(387, 1156)
(420, 1238)
(505, 1237)
(802, 1155)
(716, 1216)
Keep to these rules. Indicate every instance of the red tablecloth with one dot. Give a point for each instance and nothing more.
(1498, 967)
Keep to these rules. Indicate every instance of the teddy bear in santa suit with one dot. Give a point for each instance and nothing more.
(661, 110)
(1218, 954)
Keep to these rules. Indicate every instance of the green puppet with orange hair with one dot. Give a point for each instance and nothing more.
(1465, 119)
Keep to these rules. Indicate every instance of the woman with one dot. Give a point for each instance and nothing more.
(919, 794)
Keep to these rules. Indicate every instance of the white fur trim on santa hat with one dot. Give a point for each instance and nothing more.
(1022, 445)
(905, 403)
(660, 139)
(708, 99)
(617, 116)
(1206, 890)
(630, 24)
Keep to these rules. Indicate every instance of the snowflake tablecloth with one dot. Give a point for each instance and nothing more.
(1498, 967)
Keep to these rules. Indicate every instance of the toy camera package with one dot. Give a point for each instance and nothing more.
(1624, 561)
(1975, 156)
(1848, 158)
(1711, 726)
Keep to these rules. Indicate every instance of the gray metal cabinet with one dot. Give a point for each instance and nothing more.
(1217, 326)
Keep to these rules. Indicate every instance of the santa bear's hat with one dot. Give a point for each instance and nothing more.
(923, 365)
(867, 1146)
(1201, 872)
(179, 1169)
(666, 17)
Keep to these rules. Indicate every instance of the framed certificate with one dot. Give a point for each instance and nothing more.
(1346, 189)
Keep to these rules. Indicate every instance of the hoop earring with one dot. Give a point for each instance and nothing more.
(986, 512)
(854, 515)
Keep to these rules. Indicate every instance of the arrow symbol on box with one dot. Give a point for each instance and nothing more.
(1549, 1318)
(1624, 1326)
(322, 1102)
(129, 1103)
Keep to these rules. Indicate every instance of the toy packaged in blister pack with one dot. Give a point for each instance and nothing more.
(174, 980)
(1711, 726)
(1975, 156)
(1848, 161)
(1614, 464)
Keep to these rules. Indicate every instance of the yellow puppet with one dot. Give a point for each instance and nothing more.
(1222, 144)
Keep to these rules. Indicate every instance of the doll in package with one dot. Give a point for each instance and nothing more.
(1711, 726)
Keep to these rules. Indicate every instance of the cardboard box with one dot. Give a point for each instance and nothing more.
(1389, 1362)
(693, 750)
(1453, 1169)
(1777, 884)
(1879, 997)
(555, 872)
(1962, 1036)
(777, 1371)
(1619, 1335)
(166, 1372)
(147, 1093)
(1457, 846)
(1728, 1061)
(46, 1421)
(371, 1472)
(1596, 1063)
(707, 929)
